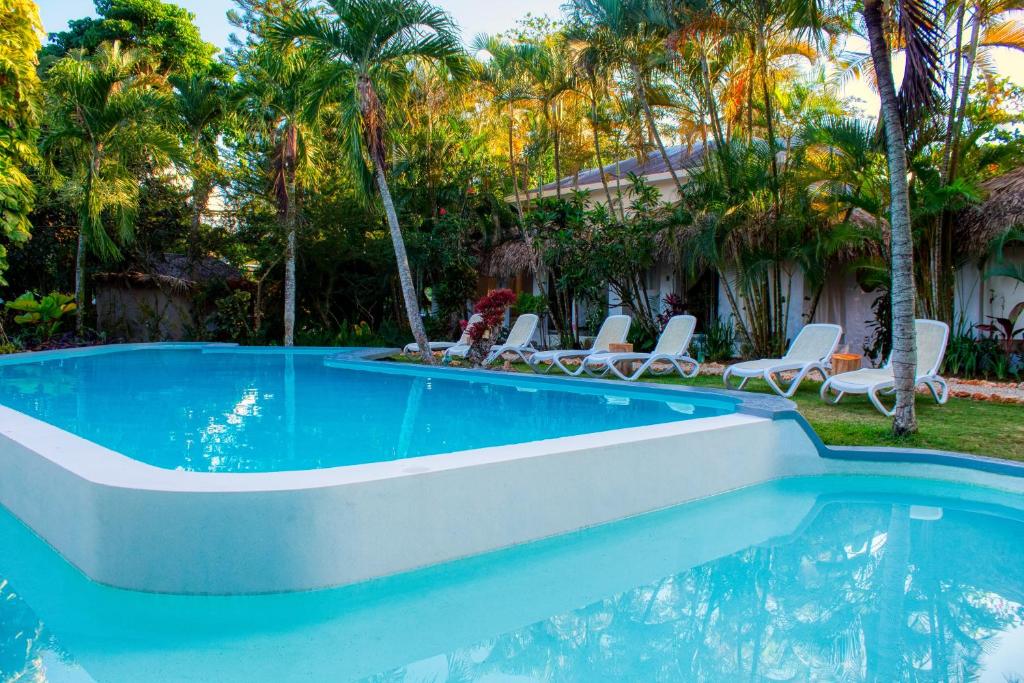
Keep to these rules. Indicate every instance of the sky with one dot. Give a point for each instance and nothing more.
(473, 16)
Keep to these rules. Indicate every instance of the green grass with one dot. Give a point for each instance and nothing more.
(980, 427)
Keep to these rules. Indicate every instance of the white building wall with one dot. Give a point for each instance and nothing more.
(978, 297)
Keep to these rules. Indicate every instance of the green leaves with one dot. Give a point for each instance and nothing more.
(45, 314)
(20, 96)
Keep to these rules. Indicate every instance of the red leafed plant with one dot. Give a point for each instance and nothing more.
(482, 335)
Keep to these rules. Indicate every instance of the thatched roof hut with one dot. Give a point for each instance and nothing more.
(1002, 209)
(157, 301)
(509, 259)
(177, 273)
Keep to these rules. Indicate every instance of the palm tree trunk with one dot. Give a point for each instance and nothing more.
(641, 92)
(412, 307)
(512, 160)
(80, 282)
(597, 152)
(289, 264)
(904, 342)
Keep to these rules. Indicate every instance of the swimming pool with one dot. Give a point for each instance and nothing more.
(235, 410)
(218, 470)
(848, 578)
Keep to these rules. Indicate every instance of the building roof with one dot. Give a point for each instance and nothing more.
(1001, 210)
(683, 158)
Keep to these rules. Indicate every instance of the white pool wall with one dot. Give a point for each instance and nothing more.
(131, 525)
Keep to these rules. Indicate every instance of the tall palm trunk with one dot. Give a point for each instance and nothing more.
(80, 283)
(373, 131)
(290, 221)
(512, 159)
(85, 217)
(412, 308)
(597, 153)
(904, 342)
(641, 92)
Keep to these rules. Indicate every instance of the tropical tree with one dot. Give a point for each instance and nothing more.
(201, 106)
(272, 96)
(166, 30)
(919, 33)
(501, 72)
(367, 46)
(636, 44)
(20, 30)
(108, 115)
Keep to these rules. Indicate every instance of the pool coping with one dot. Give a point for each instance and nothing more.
(760, 405)
(107, 467)
(754, 404)
(136, 526)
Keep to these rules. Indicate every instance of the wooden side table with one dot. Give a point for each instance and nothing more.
(627, 367)
(846, 362)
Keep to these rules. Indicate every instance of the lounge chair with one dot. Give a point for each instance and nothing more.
(519, 341)
(613, 330)
(811, 351)
(932, 336)
(444, 346)
(670, 350)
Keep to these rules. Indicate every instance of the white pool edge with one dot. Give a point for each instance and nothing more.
(135, 526)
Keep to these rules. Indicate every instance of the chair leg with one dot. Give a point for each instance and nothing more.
(638, 373)
(589, 369)
(826, 393)
(686, 374)
(873, 397)
(941, 393)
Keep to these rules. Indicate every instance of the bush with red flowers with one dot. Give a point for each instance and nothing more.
(482, 335)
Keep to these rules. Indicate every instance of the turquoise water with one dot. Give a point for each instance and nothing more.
(264, 412)
(821, 579)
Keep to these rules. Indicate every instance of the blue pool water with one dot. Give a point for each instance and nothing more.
(240, 411)
(817, 579)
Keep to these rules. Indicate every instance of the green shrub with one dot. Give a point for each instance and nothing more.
(719, 340)
(43, 316)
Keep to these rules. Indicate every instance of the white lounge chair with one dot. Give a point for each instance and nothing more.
(613, 330)
(811, 351)
(932, 336)
(670, 350)
(519, 341)
(443, 346)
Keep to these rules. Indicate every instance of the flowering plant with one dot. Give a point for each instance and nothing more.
(491, 307)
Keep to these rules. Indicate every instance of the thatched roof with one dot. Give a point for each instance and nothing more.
(508, 259)
(177, 273)
(1001, 210)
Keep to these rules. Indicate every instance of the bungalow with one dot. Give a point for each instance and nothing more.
(843, 300)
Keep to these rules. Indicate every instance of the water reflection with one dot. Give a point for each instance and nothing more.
(884, 599)
(245, 412)
(828, 580)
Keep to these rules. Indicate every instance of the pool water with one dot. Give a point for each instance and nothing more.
(827, 578)
(239, 411)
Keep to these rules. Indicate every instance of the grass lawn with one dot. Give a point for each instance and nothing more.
(980, 427)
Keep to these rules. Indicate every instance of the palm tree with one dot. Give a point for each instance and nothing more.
(200, 100)
(594, 67)
(366, 47)
(638, 45)
(108, 115)
(272, 96)
(503, 76)
(916, 19)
